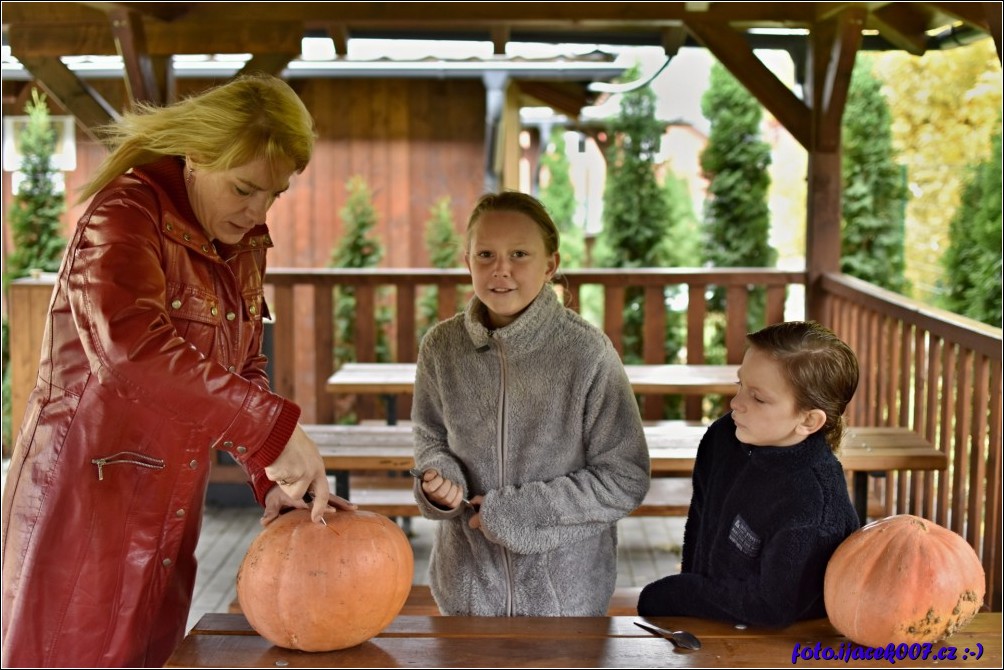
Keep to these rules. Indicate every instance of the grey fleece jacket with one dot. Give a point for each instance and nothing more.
(539, 418)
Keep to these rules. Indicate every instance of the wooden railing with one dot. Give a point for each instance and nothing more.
(303, 304)
(922, 368)
(940, 375)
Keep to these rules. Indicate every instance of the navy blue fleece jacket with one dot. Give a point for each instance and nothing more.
(763, 522)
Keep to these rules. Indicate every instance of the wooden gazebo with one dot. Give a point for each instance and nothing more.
(934, 373)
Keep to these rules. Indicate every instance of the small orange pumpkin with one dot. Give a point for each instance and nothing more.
(315, 587)
(902, 579)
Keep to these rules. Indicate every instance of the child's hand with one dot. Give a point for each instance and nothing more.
(475, 521)
(441, 491)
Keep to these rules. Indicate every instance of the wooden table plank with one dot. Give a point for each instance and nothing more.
(672, 449)
(410, 641)
(393, 378)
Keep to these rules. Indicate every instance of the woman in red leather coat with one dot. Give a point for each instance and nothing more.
(151, 361)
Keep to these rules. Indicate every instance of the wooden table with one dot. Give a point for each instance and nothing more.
(672, 448)
(226, 640)
(391, 378)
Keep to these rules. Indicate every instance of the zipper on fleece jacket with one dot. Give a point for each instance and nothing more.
(500, 446)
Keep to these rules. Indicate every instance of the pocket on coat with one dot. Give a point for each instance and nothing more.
(196, 315)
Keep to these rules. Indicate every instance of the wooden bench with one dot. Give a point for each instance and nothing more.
(672, 448)
(624, 602)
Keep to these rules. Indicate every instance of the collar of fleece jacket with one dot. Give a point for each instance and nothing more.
(532, 329)
(804, 454)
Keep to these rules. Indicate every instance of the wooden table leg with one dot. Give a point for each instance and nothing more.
(861, 495)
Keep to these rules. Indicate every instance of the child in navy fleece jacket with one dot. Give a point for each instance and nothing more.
(770, 502)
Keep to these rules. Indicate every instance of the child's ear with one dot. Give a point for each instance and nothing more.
(552, 265)
(813, 420)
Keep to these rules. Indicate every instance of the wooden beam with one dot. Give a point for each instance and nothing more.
(993, 11)
(130, 41)
(500, 36)
(973, 13)
(565, 97)
(902, 26)
(340, 37)
(272, 64)
(89, 108)
(735, 54)
(844, 36)
(672, 39)
(829, 10)
(823, 205)
(163, 11)
(181, 37)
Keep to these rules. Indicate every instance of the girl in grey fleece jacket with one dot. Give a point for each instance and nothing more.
(525, 408)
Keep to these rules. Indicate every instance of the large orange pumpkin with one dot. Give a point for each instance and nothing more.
(902, 579)
(314, 587)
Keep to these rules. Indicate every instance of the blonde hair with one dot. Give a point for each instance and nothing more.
(252, 117)
(514, 201)
(821, 369)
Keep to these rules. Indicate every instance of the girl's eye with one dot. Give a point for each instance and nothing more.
(519, 254)
(241, 191)
(484, 254)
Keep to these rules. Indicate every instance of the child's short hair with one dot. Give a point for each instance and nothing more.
(821, 369)
(514, 201)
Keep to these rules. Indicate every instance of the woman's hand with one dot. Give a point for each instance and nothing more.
(299, 470)
(277, 500)
(441, 491)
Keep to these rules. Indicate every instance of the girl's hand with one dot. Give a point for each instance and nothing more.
(475, 521)
(277, 500)
(441, 491)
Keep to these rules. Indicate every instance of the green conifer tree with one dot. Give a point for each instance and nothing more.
(973, 259)
(36, 212)
(35, 217)
(635, 211)
(736, 217)
(558, 196)
(445, 246)
(874, 187)
(357, 249)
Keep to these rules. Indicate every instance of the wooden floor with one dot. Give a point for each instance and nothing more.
(649, 548)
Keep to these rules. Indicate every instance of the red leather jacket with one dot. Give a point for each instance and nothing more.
(151, 359)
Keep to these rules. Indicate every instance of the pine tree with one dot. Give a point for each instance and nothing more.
(874, 187)
(35, 219)
(973, 259)
(558, 196)
(635, 210)
(357, 249)
(444, 245)
(36, 212)
(736, 217)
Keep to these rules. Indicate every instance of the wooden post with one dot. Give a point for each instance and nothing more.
(27, 311)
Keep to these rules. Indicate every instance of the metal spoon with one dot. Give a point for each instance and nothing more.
(679, 638)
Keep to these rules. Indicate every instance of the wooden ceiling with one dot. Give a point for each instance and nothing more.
(147, 34)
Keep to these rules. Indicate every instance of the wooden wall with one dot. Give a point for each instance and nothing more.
(412, 140)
